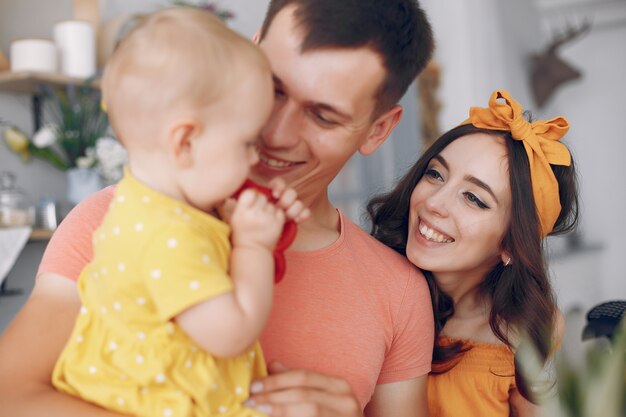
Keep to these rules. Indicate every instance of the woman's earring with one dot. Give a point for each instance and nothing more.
(508, 261)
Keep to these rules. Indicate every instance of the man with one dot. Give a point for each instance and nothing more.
(351, 328)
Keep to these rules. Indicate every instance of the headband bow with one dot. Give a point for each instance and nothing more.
(540, 140)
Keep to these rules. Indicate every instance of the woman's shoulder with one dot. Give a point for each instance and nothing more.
(482, 340)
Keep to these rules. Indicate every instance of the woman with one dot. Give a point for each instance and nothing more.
(472, 213)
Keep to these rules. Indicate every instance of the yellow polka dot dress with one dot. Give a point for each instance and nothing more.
(154, 257)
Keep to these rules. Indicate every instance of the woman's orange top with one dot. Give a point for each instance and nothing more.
(478, 386)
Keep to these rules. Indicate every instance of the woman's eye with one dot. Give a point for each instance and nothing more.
(279, 93)
(472, 198)
(433, 173)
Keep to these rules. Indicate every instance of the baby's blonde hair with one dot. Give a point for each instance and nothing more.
(175, 58)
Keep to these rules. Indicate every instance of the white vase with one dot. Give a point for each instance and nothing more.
(81, 183)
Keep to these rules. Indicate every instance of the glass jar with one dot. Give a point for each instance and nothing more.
(16, 209)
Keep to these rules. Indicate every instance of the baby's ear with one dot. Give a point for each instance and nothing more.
(180, 142)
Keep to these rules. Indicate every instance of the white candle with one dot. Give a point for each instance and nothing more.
(76, 42)
(33, 55)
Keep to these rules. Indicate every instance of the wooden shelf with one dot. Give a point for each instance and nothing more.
(28, 82)
(40, 234)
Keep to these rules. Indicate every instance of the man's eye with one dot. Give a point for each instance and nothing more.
(319, 117)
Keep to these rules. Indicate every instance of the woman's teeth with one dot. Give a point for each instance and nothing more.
(432, 235)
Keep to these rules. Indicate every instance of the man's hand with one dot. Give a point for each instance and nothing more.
(299, 393)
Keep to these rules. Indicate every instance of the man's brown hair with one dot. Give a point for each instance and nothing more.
(397, 30)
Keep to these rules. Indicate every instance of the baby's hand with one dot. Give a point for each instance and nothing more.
(288, 201)
(256, 222)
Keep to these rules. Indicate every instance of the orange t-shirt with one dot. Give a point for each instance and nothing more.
(355, 309)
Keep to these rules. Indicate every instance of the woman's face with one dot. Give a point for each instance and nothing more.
(460, 209)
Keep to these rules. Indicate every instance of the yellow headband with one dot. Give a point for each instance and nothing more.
(540, 140)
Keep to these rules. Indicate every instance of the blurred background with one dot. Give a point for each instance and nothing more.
(555, 56)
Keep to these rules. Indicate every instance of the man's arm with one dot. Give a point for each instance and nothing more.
(32, 344)
(399, 399)
(29, 349)
(405, 396)
(300, 393)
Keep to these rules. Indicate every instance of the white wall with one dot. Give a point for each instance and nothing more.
(248, 13)
(595, 107)
(481, 46)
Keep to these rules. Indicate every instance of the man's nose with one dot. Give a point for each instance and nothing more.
(282, 128)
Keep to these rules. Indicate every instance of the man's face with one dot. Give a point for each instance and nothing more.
(324, 101)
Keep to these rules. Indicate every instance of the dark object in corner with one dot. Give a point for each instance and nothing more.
(603, 320)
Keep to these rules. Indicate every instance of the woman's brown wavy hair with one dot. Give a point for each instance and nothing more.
(521, 294)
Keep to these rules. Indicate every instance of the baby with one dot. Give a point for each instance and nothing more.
(171, 312)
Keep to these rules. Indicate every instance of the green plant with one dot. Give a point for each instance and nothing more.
(590, 382)
(73, 123)
(21, 144)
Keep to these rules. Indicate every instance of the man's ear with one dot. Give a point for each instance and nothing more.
(381, 129)
(256, 38)
(181, 142)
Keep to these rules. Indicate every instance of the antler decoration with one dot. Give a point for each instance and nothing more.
(549, 71)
